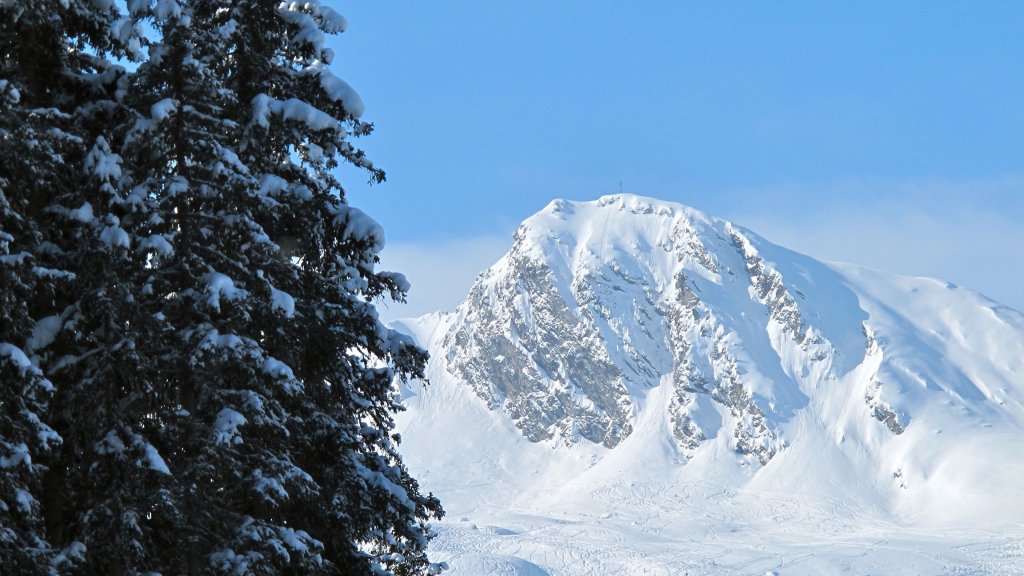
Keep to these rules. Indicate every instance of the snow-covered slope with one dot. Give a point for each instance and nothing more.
(638, 386)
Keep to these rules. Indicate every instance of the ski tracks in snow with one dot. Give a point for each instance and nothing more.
(663, 529)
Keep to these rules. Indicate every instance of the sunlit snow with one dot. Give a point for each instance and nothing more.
(847, 491)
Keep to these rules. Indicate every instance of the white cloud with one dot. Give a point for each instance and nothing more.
(441, 272)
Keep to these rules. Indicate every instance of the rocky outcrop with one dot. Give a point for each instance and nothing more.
(597, 303)
(525, 351)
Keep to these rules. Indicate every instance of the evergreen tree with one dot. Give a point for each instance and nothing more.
(51, 72)
(224, 386)
(111, 480)
(178, 259)
(25, 438)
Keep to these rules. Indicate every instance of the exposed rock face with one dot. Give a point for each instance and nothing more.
(597, 303)
(880, 409)
(523, 350)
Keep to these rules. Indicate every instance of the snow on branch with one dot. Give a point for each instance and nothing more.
(312, 20)
(291, 109)
(338, 90)
(220, 286)
(226, 425)
(360, 227)
(19, 359)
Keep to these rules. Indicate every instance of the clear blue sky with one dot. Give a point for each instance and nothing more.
(886, 134)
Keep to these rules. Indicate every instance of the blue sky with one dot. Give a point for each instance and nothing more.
(885, 134)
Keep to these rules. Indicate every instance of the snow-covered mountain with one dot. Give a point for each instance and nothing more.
(633, 372)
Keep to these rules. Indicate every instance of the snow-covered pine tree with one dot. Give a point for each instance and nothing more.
(241, 387)
(110, 480)
(25, 438)
(51, 70)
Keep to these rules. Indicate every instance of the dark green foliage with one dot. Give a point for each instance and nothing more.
(48, 92)
(223, 387)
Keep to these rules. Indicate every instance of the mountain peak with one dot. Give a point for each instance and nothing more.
(623, 201)
(562, 217)
(571, 237)
(627, 319)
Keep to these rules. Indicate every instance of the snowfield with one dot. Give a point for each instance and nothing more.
(780, 415)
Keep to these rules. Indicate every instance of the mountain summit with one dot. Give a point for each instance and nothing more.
(630, 339)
